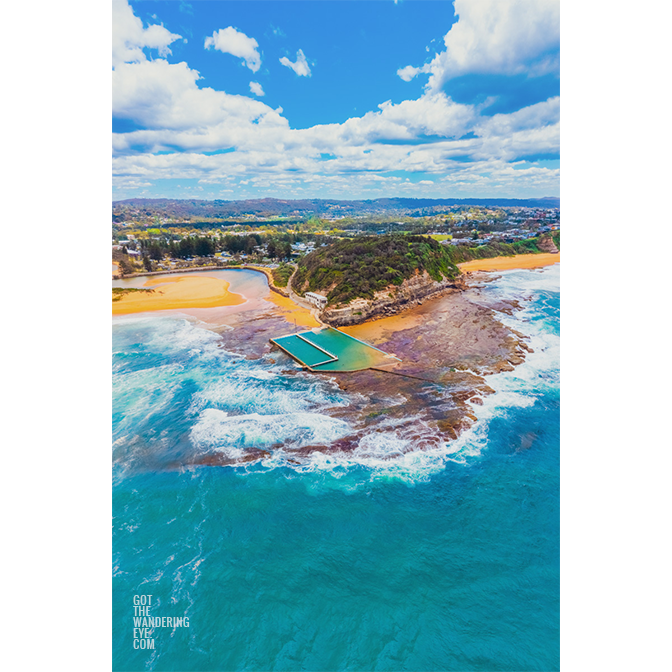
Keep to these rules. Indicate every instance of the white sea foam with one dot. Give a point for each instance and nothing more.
(539, 372)
(410, 467)
(226, 433)
(240, 404)
(246, 393)
(382, 445)
(387, 453)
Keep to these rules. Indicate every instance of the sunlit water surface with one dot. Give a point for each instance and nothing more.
(439, 560)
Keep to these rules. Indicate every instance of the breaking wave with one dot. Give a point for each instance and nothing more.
(174, 385)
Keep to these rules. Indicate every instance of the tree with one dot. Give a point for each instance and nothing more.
(204, 247)
(186, 248)
(125, 267)
(155, 251)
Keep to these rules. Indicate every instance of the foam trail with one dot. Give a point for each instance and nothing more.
(217, 430)
(224, 403)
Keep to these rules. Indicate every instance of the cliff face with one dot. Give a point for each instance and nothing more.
(390, 301)
(546, 244)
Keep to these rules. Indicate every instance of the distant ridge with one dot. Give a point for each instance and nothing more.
(276, 206)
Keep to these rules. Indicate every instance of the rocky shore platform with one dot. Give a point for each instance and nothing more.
(392, 301)
(448, 345)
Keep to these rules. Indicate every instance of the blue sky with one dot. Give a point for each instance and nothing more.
(345, 99)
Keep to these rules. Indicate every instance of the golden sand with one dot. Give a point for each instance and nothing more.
(291, 312)
(176, 293)
(381, 329)
(508, 263)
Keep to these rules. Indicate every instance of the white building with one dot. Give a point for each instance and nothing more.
(316, 299)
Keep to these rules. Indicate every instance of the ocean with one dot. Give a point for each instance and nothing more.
(443, 559)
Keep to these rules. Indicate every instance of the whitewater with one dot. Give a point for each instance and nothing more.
(399, 554)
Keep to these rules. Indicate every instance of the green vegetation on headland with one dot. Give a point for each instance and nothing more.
(281, 274)
(118, 292)
(360, 267)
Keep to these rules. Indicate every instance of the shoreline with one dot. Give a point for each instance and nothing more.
(217, 267)
(447, 346)
(178, 293)
(518, 261)
(371, 330)
(203, 292)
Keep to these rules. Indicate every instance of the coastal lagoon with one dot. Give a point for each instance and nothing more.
(397, 554)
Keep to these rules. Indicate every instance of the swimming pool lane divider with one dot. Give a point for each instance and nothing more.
(300, 361)
(319, 347)
(333, 357)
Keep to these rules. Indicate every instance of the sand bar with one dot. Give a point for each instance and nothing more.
(509, 263)
(179, 292)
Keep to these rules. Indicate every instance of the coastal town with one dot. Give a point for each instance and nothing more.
(157, 238)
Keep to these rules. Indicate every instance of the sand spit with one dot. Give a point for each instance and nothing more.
(177, 293)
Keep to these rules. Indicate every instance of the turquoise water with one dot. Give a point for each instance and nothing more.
(353, 354)
(305, 352)
(446, 559)
(342, 352)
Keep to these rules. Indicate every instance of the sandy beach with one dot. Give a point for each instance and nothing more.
(509, 263)
(178, 292)
(181, 292)
(377, 331)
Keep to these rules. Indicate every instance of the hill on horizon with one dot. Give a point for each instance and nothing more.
(286, 207)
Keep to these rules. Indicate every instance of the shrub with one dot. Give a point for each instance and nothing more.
(360, 267)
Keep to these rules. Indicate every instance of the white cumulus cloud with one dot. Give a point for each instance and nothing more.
(495, 37)
(408, 72)
(231, 41)
(256, 89)
(301, 67)
(129, 38)
(453, 144)
(165, 96)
